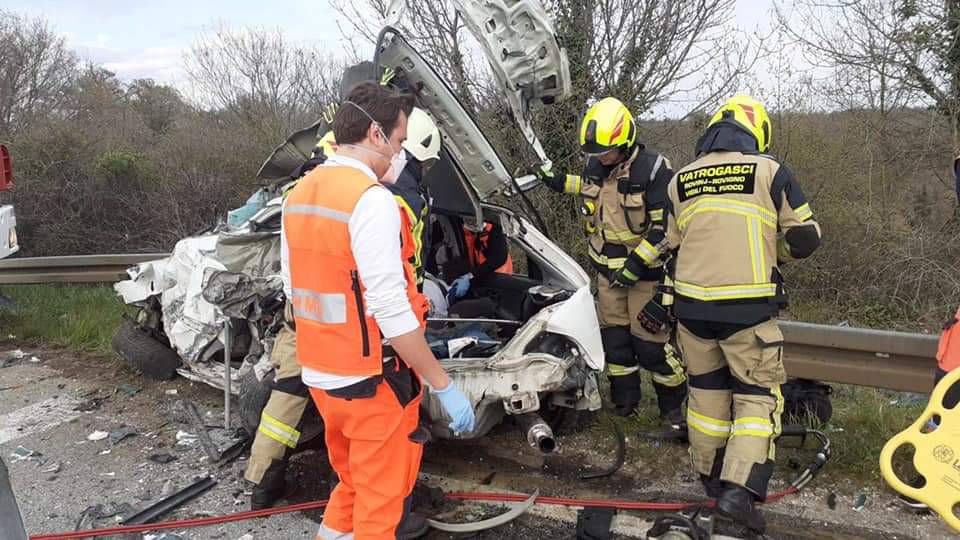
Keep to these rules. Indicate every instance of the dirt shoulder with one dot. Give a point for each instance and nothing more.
(53, 406)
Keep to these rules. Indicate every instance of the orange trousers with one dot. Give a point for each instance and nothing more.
(368, 442)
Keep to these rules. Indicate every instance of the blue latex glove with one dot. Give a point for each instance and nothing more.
(458, 407)
(460, 287)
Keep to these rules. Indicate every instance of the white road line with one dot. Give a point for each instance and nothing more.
(36, 418)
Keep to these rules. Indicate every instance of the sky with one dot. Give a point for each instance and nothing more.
(149, 39)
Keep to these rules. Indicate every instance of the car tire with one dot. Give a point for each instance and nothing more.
(254, 395)
(142, 351)
(565, 420)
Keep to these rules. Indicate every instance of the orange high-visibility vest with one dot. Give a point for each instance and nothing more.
(476, 244)
(948, 352)
(335, 334)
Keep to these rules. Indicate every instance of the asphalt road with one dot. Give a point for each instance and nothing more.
(65, 475)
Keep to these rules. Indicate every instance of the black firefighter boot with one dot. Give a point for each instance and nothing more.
(625, 393)
(670, 400)
(272, 486)
(712, 485)
(737, 503)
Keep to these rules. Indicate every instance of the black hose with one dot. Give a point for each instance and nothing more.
(620, 458)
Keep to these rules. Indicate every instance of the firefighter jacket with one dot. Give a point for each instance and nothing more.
(733, 216)
(335, 334)
(413, 199)
(623, 211)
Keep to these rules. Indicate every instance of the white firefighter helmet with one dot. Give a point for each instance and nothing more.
(423, 137)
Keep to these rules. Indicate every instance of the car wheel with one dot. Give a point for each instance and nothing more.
(254, 395)
(565, 420)
(142, 351)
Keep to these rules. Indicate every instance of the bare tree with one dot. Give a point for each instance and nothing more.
(856, 42)
(893, 53)
(435, 28)
(270, 85)
(36, 70)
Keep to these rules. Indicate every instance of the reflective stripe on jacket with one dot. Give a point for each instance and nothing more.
(622, 208)
(726, 212)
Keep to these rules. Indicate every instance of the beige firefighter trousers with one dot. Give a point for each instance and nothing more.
(277, 433)
(745, 416)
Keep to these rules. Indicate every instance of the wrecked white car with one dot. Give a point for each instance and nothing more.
(535, 355)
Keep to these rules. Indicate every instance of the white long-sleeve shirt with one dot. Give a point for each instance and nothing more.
(374, 230)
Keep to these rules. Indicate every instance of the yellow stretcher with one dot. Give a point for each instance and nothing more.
(936, 457)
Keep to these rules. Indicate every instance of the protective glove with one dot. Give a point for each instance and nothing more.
(460, 287)
(654, 317)
(458, 407)
(546, 175)
(623, 279)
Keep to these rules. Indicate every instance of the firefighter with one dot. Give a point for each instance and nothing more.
(733, 216)
(359, 321)
(282, 418)
(622, 193)
(422, 149)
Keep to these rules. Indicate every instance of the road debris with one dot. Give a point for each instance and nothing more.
(832, 501)
(10, 358)
(172, 392)
(98, 435)
(89, 405)
(21, 453)
(168, 488)
(212, 451)
(121, 433)
(234, 451)
(174, 501)
(164, 536)
(186, 438)
(53, 469)
(162, 459)
(860, 503)
(128, 389)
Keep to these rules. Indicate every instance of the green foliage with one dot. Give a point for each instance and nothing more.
(121, 164)
(78, 317)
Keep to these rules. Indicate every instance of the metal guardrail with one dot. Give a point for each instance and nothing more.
(73, 269)
(858, 356)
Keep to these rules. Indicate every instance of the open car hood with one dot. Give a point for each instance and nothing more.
(524, 53)
(528, 62)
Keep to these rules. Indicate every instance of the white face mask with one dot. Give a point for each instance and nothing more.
(397, 164)
(398, 159)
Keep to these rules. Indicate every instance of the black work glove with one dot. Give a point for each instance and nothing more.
(654, 317)
(623, 279)
(546, 175)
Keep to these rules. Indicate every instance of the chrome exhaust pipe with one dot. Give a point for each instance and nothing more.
(539, 434)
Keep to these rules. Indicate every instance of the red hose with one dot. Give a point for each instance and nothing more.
(488, 497)
(183, 523)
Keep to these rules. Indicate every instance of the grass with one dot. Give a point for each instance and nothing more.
(78, 317)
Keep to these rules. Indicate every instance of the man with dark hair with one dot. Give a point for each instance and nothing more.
(360, 319)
